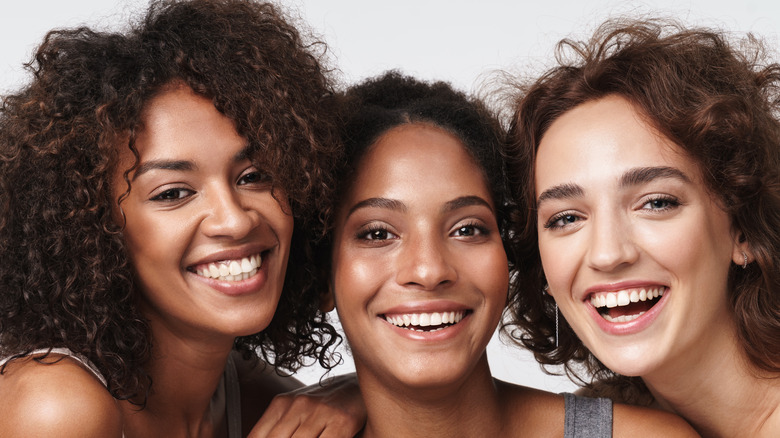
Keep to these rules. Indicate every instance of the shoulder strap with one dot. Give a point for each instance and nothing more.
(587, 417)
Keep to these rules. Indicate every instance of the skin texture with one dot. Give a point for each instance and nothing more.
(403, 246)
(621, 207)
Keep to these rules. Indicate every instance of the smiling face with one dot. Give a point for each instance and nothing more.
(419, 271)
(635, 249)
(207, 240)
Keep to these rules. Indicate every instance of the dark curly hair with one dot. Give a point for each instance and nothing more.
(719, 101)
(372, 108)
(66, 278)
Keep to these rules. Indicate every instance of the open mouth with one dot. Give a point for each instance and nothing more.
(426, 322)
(230, 270)
(626, 305)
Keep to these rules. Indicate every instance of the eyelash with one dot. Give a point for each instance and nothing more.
(164, 196)
(366, 233)
(480, 229)
(550, 224)
(670, 202)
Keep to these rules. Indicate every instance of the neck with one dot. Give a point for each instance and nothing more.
(467, 408)
(719, 392)
(187, 396)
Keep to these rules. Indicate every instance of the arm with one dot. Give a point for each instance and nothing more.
(335, 409)
(60, 399)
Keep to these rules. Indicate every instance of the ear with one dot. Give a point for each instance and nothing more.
(740, 254)
(327, 302)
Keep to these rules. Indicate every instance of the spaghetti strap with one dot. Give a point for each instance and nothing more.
(83, 361)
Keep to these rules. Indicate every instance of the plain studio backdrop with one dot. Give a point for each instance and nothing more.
(463, 42)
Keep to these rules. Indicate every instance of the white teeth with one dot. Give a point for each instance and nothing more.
(413, 320)
(233, 270)
(623, 318)
(625, 297)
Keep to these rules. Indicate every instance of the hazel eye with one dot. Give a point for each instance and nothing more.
(562, 220)
(661, 203)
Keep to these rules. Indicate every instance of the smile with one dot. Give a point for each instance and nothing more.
(230, 270)
(626, 305)
(426, 322)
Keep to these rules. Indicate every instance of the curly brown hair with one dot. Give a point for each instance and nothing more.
(719, 101)
(66, 278)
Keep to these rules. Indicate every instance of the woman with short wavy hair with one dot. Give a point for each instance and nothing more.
(648, 163)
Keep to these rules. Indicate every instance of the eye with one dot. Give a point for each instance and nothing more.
(376, 233)
(172, 194)
(471, 230)
(562, 220)
(661, 203)
(254, 176)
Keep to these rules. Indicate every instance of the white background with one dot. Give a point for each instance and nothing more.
(463, 42)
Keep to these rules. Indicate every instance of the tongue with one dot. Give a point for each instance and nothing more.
(631, 309)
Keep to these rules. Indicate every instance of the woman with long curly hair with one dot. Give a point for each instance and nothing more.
(648, 165)
(159, 192)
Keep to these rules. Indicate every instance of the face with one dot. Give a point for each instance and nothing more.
(207, 240)
(635, 249)
(419, 271)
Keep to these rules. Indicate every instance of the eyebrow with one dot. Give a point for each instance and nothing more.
(385, 203)
(465, 201)
(182, 165)
(641, 175)
(633, 177)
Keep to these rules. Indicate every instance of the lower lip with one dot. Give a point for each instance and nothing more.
(237, 288)
(440, 335)
(630, 327)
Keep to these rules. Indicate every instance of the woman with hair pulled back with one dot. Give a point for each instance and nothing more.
(418, 271)
(159, 190)
(648, 165)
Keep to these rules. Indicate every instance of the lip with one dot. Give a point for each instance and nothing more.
(634, 326)
(438, 306)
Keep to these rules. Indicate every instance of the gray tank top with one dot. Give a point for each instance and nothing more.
(587, 417)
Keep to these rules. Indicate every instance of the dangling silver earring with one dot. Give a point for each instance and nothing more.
(556, 325)
(744, 264)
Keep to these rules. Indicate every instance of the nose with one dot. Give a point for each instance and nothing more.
(424, 263)
(611, 243)
(227, 217)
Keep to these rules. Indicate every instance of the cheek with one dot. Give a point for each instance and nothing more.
(356, 278)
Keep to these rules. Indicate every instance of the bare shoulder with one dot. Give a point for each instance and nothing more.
(55, 399)
(632, 421)
(538, 412)
(259, 384)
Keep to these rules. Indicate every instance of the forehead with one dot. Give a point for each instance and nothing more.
(601, 139)
(420, 157)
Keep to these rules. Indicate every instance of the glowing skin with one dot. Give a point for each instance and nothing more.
(208, 241)
(417, 244)
(623, 212)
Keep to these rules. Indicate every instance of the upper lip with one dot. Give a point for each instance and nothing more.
(232, 254)
(618, 286)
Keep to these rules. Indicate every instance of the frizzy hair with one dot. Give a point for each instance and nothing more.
(717, 100)
(66, 280)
